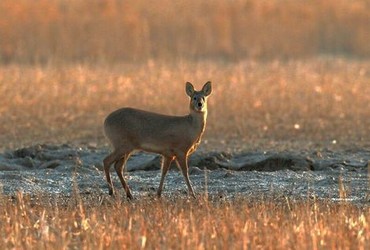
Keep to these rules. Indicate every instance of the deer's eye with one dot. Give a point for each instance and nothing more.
(194, 98)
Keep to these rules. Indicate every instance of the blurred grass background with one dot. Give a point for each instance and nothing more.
(46, 31)
(282, 70)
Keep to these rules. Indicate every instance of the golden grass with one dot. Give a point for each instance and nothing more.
(178, 223)
(317, 100)
(109, 31)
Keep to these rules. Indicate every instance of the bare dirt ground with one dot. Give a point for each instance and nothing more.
(61, 169)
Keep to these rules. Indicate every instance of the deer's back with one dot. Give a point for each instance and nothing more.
(141, 127)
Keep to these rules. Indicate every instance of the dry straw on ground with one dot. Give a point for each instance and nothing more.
(181, 224)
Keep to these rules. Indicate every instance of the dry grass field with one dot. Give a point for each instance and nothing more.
(286, 75)
(179, 223)
(313, 101)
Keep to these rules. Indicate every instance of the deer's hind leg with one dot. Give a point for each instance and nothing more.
(120, 166)
(115, 156)
(108, 161)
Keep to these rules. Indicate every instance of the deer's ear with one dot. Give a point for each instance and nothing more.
(207, 88)
(189, 89)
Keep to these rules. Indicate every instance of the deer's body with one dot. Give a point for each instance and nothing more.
(153, 132)
(174, 137)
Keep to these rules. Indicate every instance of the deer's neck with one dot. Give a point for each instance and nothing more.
(198, 120)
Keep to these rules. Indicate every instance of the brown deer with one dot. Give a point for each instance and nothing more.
(174, 137)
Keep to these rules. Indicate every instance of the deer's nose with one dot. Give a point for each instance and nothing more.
(199, 104)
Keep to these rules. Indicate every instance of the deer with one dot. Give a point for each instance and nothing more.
(175, 138)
